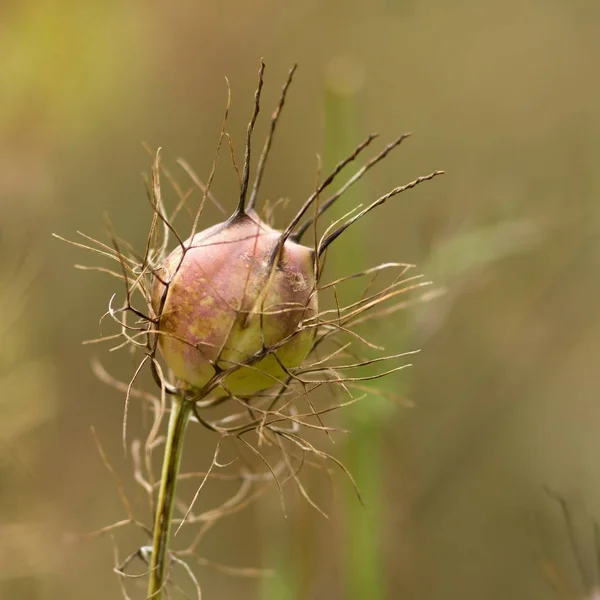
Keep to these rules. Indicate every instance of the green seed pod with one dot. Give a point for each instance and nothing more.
(236, 296)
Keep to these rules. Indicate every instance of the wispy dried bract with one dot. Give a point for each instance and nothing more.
(275, 429)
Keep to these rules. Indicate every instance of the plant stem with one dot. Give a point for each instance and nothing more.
(363, 532)
(180, 411)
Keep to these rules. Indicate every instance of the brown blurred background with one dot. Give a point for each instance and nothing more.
(502, 95)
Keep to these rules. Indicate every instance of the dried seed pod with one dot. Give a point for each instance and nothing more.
(235, 296)
(234, 310)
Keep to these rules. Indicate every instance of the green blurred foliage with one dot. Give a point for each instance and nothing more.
(502, 95)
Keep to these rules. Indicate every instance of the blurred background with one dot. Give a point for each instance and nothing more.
(503, 398)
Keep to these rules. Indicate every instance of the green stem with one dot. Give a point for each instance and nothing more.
(180, 411)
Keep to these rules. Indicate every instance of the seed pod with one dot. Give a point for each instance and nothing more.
(236, 296)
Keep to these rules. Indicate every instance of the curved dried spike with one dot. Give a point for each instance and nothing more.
(296, 479)
(267, 147)
(114, 475)
(266, 463)
(326, 183)
(138, 475)
(370, 271)
(233, 504)
(233, 161)
(110, 254)
(375, 298)
(190, 573)
(156, 201)
(213, 170)
(235, 571)
(117, 570)
(126, 407)
(121, 258)
(199, 184)
(213, 464)
(100, 270)
(241, 208)
(308, 447)
(351, 317)
(175, 185)
(296, 237)
(358, 365)
(398, 190)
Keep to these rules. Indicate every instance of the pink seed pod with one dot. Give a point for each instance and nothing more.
(235, 298)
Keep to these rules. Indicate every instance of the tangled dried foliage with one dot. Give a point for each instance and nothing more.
(274, 426)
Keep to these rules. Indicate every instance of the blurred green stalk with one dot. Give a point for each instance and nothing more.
(277, 553)
(362, 527)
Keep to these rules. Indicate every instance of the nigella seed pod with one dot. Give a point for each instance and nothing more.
(234, 298)
(233, 310)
